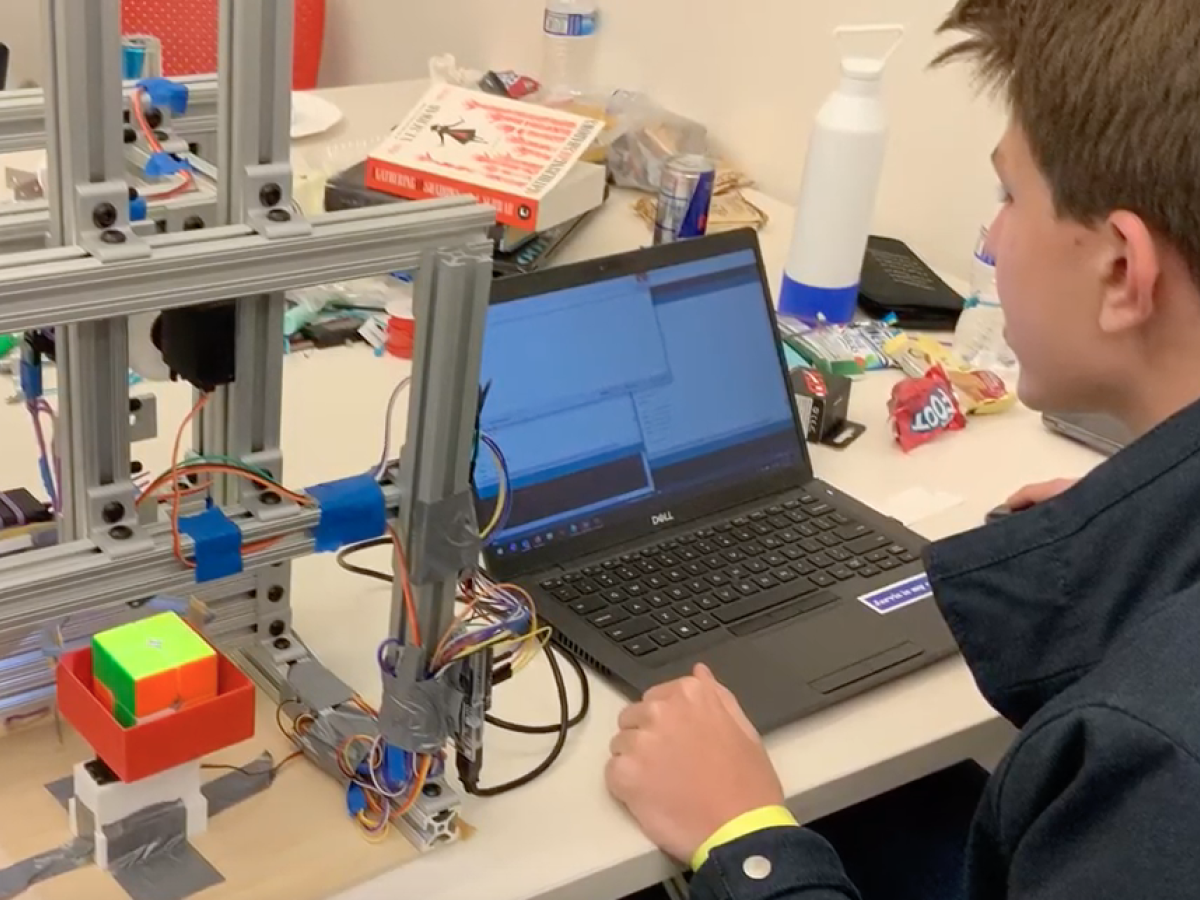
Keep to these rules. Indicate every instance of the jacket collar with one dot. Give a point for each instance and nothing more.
(1036, 600)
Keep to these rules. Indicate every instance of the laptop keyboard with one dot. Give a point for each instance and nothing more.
(727, 580)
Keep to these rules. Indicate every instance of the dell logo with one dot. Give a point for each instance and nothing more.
(662, 519)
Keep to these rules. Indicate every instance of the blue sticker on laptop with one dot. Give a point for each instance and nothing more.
(899, 595)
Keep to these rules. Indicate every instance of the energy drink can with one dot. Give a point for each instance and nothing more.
(684, 198)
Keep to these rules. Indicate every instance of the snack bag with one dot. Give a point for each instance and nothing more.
(980, 392)
(922, 408)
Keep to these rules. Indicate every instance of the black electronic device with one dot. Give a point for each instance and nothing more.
(897, 282)
(1100, 432)
(664, 510)
(20, 507)
(199, 343)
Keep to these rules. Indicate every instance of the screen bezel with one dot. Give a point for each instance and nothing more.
(635, 262)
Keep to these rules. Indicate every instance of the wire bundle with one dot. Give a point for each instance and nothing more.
(210, 465)
(383, 796)
(501, 617)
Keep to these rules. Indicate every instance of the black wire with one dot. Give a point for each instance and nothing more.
(585, 702)
(250, 773)
(556, 751)
(347, 552)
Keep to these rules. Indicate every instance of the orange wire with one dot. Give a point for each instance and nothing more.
(177, 496)
(418, 785)
(410, 608)
(221, 469)
(152, 140)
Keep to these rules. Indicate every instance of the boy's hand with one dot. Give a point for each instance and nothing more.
(687, 761)
(1033, 494)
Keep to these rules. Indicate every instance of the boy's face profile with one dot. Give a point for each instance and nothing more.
(1049, 286)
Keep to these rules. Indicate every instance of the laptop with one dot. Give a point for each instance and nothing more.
(663, 507)
(1100, 432)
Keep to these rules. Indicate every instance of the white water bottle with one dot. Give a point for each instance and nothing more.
(837, 195)
(979, 336)
(569, 47)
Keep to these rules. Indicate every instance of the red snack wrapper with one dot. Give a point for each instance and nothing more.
(923, 408)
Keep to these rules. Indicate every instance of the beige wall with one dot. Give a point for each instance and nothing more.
(21, 29)
(756, 71)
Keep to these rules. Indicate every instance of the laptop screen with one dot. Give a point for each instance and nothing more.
(630, 395)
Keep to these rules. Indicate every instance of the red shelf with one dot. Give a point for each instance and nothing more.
(148, 749)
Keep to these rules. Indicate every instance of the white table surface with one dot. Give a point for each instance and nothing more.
(585, 845)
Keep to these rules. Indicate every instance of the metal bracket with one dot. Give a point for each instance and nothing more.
(143, 418)
(270, 210)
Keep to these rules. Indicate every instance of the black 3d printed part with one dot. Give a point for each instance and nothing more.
(199, 343)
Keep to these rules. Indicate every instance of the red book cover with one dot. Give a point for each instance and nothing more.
(505, 153)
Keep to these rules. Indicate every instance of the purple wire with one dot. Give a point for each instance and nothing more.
(35, 410)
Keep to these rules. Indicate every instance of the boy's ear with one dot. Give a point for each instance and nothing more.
(1131, 266)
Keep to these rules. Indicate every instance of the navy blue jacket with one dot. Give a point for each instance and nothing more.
(1080, 621)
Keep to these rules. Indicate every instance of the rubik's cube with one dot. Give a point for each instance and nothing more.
(151, 668)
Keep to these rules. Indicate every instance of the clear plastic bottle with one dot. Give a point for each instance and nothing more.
(569, 47)
(979, 337)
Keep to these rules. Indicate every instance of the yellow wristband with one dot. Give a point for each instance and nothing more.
(747, 823)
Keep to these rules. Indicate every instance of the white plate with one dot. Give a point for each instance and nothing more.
(312, 115)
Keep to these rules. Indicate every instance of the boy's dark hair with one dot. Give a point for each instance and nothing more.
(1108, 95)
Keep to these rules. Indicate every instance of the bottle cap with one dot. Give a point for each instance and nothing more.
(863, 68)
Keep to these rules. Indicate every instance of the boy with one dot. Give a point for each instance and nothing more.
(1080, 615)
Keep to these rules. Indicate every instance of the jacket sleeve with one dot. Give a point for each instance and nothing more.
(774, 864)
(1097, 803)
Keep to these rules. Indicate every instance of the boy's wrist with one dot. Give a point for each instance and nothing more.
(747, 823)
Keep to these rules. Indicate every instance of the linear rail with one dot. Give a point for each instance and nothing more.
(23, 114)
(78, 578)
(40, 290)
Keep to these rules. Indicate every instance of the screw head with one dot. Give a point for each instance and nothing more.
(193, 223)
(104, 215)
(136, 468)
(283, 644)
(112, 237)
(120, 532)
(277, 628)
(154, 117)
(270, 498)
(279, 215)
(275, 594)
(130, 135)
(270, 195)
(135, 405)
(162, 136)
(432, 790)
(113, 512)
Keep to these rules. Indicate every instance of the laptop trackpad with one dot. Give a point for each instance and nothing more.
(829, 663)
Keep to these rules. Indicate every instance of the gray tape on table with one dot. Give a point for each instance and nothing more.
(62, 790)
(150, 857)
(240, 785)
(174, 872)
(17, 879)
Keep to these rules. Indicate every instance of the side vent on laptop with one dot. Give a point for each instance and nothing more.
(579, 653)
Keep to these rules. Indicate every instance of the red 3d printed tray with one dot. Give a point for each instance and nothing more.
(152, 747)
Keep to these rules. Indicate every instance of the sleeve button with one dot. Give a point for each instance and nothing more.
(757, 868)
